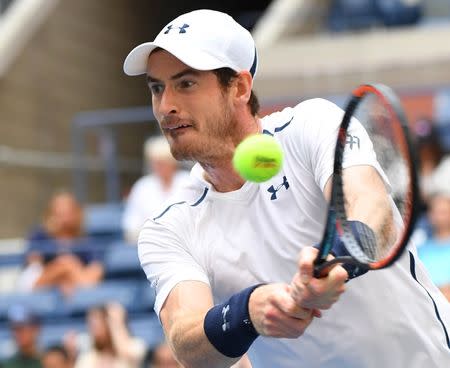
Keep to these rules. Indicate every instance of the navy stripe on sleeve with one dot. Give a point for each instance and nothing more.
(196, 203)
(412, 266)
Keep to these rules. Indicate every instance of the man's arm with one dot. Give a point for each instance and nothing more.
(367, 200)
(182, 317)
(272, 311)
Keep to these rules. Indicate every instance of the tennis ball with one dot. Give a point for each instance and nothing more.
(258, 158)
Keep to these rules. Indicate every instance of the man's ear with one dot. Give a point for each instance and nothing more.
(243, 84)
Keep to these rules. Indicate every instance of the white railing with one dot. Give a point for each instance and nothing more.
(18, 23)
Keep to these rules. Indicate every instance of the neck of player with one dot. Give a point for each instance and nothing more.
(221, 173)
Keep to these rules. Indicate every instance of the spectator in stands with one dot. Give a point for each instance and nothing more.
(152, 190)
(161, 357)
(430, 151)
(25, 330)
(435, 252)
(56, 357)
(112, 344)
(58, 255)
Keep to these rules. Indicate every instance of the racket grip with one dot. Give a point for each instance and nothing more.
(321, 268)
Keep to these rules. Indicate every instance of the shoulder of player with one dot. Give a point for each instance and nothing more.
(182, 204)
(316, 109)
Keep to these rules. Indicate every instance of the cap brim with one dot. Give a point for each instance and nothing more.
(136, 61)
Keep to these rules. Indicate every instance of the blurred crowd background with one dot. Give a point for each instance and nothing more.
(82, 164)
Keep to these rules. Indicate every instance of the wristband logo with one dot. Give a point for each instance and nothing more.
(226, 324)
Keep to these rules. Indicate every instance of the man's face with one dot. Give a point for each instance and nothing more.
(440, 213)
(195, 114)
(25, 336)
(55, 359)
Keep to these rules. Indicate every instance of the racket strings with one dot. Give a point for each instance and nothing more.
(376, 238)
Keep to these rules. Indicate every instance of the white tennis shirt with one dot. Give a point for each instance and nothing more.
(391, 318)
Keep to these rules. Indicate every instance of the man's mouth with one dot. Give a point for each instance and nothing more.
(176, 127)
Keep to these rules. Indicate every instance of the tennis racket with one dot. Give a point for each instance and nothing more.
(368, 247)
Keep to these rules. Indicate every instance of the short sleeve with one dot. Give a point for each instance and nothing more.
(166, 259)
(316, 136)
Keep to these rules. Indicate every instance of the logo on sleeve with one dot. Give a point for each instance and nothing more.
(226, 324)
(274, 190)
(352, 140)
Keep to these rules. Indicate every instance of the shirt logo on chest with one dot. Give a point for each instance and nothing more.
(274, 190)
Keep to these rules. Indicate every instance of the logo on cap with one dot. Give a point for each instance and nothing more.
(182, 29)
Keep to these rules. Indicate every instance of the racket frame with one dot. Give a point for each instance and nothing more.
(336, 218)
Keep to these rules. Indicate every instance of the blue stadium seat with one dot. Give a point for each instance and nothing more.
(398, 12)
(45, 303)
(7, 347)
(441, 115)
(121, 259)
(53, 333)
(348, 15)
(103, 219)
(145, 298)
(148, 328)
(121, 291)
(15, 259)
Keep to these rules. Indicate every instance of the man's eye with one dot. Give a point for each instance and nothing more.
(156, 88)
(186, 84)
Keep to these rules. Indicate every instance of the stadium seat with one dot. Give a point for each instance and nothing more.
(145, 298)
(45, 304)
(121, 291)
(396, 13)
(442, 117)
(15, 259)
(52, 333)
(121, 260)
(7, 347)
(103, 219)
(348, 15)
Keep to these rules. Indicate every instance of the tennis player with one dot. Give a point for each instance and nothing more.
(231, 261)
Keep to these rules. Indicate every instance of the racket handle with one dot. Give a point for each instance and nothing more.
(321, 268)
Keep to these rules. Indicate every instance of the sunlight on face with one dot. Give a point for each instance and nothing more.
(194, 112)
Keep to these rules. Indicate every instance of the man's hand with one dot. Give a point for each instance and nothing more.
(275, 313)
(313, 293)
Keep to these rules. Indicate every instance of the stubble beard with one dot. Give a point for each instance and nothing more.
(214, 143)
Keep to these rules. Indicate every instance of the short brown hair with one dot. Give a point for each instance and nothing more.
(225, 76)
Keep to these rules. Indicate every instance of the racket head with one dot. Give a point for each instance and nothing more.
(377, 108)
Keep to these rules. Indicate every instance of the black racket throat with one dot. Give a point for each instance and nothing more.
(321, 268)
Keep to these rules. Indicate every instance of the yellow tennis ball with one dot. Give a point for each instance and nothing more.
(258, 158)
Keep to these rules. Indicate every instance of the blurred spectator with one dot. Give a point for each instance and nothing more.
(161, 357)
(56, 357)
(152, 190)
(25, 329)
(440, 178)
(58, 255)
(112, 344)
(435, 253)
(430, 151)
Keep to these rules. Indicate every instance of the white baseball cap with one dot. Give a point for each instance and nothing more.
(202, 39)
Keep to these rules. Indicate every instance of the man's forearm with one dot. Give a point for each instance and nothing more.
(191, 346)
